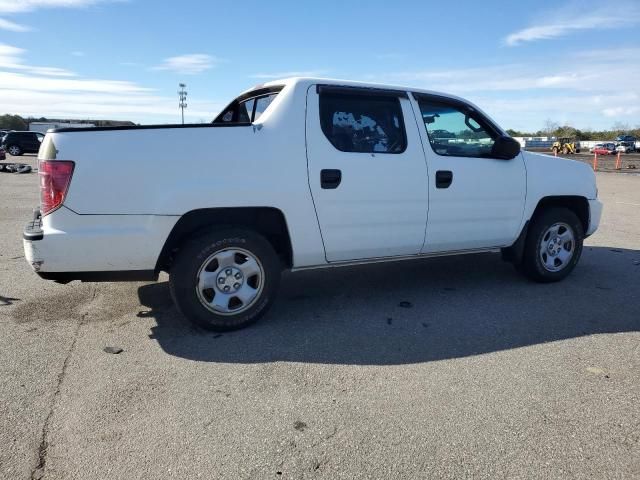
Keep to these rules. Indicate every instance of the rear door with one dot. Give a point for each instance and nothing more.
(30, 142)
(34, 141)
(367, 172)
(475, 201)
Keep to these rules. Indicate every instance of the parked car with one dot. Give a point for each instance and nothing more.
(17, 143)
(604, 149)
(626, 138)
(332, 173)
(626, 147)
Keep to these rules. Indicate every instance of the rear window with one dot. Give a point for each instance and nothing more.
(248, 107)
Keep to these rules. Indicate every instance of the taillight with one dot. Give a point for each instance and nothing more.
(55, 177)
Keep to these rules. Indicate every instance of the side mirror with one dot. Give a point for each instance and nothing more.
(505, 148)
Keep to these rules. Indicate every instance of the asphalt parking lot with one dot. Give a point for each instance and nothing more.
(445, 368)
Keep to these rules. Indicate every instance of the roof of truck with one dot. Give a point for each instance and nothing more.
(351, 83)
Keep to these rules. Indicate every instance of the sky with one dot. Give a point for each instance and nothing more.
(572, 62)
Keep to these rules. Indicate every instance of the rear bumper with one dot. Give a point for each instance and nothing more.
(95, 248)
(595, 213)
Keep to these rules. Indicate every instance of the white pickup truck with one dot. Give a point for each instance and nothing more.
(296, 174)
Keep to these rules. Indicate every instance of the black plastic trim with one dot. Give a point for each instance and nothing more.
(33, 230)
(515, 252)
(148, 127)
(258, 92)
(109, 276)
(356, 90)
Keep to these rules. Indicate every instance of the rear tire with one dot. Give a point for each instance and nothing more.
(225, 280)
(14, 150)
(553, 246)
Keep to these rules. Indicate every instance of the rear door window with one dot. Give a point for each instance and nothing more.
(363, 123)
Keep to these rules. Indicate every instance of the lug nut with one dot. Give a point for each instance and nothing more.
(238, 276)
(220, 280)
(236, 285)
(227, 271)
(227, 288)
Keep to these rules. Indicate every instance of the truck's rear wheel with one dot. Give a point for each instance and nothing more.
(553, 246)
(225, 280)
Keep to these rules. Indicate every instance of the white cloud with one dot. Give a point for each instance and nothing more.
(616, 112)
(546, 74)
(9, 7)
(272, 76)
(10, 59)
(576, 17)
(35, 91)
(140, 107)
(20, 6)
(29, 82)
(13, 27)
(189, 64)
(596, 88)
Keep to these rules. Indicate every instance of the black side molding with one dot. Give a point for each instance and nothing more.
(513, 254)
(112, 276)
(147, 127)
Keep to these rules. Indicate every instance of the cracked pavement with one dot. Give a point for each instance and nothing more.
(480, 374)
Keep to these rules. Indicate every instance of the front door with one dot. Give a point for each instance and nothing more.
(367, 172)
(475, 201)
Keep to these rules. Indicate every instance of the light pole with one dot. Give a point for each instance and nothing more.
(182, 94)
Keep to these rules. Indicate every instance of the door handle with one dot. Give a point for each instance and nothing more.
(330, 179)
(444, 178)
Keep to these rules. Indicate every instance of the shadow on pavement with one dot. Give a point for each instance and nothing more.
(415, 311)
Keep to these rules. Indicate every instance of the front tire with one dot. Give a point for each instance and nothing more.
(225, 280)
(553, 246)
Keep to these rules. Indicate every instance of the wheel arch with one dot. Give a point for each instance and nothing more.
(267, 221)
(576, 203)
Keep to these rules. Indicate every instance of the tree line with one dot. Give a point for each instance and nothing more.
(554, 129)
(16, 122)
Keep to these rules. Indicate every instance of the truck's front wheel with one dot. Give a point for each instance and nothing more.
(225, 280)
(553, 245)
